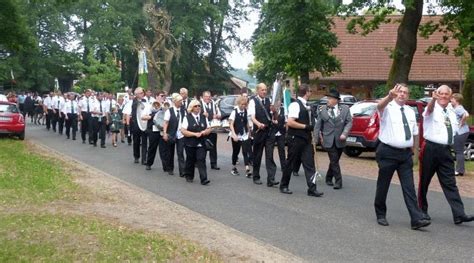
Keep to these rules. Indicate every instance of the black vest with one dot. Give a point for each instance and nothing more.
(281, 121)
(260, 113)
(173, 123)
(193, 126)
(303, 118)
(240, 122)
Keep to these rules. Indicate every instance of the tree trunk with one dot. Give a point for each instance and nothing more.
(406, 44)
(304, 77)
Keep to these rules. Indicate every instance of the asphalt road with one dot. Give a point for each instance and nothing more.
(341, 226)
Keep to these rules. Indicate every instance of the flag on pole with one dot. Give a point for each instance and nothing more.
(11, 73)
(286, 99)
(142, 69)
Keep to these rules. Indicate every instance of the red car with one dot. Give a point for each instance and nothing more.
(364, 133)
(11, 120)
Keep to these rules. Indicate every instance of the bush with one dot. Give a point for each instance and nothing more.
(416, 91)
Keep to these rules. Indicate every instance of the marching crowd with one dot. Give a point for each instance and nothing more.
(155, 124)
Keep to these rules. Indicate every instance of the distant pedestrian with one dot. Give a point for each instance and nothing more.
(461, 135)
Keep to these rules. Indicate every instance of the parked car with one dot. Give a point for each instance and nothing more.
(363, 136)
(11, 120)
(469, 148)
(3, 97)
(226, 105)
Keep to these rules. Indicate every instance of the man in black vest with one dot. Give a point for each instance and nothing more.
(264, 135)
(138, 135)
(171, 134)
(300, 147)
(211, 111)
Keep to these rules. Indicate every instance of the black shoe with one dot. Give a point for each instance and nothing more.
(83, 142)
(337, 186)
(272, 183)
(73, 138)
(181, 175)
(420, 223)
(329, 183)
(382, 221)
(170, 173)
(315, 193)
(285, 191)
(136, 160)
(122, 141)
(248, 174)
(102, 146)
(67, 137)
(129, 143)
(95, 144)
(463, 219)
(426, 216)
(295, 174)
(215, 168)
(189, 180)
(148, 167)
(205, 182)
(257, 181)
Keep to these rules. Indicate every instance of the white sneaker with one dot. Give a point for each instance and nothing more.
(234, 171)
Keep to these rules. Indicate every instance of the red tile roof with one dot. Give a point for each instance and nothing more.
(368, 57)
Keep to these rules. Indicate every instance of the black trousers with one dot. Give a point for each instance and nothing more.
(168, 155)
(195, 157)
(301, 151)
(334, 169)
(71, 122)
(246, 148)
(140, 144)
(98, 128)
(127, 133)
(389, 160)
(213, 152)
(154, 141)
(437, 158)
(86, 125)
(264, 139)
(280, 141)
(180, 153)
(49, 118)
(61, 119)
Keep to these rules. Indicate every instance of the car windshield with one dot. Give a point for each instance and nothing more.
(363, 109)
(8, 108)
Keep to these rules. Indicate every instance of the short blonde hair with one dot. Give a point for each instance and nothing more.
(192, 104)
(458, 97)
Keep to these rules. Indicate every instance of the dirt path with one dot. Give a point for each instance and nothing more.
(126, 204)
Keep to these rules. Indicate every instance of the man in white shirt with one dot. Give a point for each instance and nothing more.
(172, 137)
(48, 109)
(398, 129)
(85, 107)
(99, 120)
(439, 127)
(70, 111)
(57, 102)
(211, 111)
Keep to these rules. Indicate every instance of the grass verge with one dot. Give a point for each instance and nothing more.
(29, 182)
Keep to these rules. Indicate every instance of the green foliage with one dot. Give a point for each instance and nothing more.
(294, 37)
(416, 91)
(100, 75)
(30, 179)
(14, 32)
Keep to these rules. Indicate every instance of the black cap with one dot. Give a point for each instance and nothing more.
(334, 93)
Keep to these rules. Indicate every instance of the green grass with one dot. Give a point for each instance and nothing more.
(27, 178)
(30, 182)
(53, 238)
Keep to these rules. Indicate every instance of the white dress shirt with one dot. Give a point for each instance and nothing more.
(434, 128)
(47, 103)
(98, 110)
(392, 131)
(57, 102)
(294, 108)
(68, 107)
(232, 116)
(83, 104)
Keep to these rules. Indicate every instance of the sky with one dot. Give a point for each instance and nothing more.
(241, 60)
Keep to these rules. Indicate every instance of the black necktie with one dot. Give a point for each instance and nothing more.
(449, 127)
(405, 125)
(58, 103)
(72, 107)
(88, 110)
(197, 119)
(177, 114)
(100, 102)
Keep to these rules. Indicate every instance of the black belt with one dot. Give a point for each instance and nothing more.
(397, 149)
(438, 144)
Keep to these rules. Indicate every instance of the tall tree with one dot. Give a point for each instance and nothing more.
(296, 37)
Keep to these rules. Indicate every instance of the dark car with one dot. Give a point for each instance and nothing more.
(226, 105)
(469, 148)
(363, 136)
(11, 120)
(346, 99)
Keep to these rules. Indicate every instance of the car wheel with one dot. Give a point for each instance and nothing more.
(352, 151)
(468, 151)
(21, 135)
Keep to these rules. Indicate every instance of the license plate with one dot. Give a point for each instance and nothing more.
(351, 139)
(5, 118)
